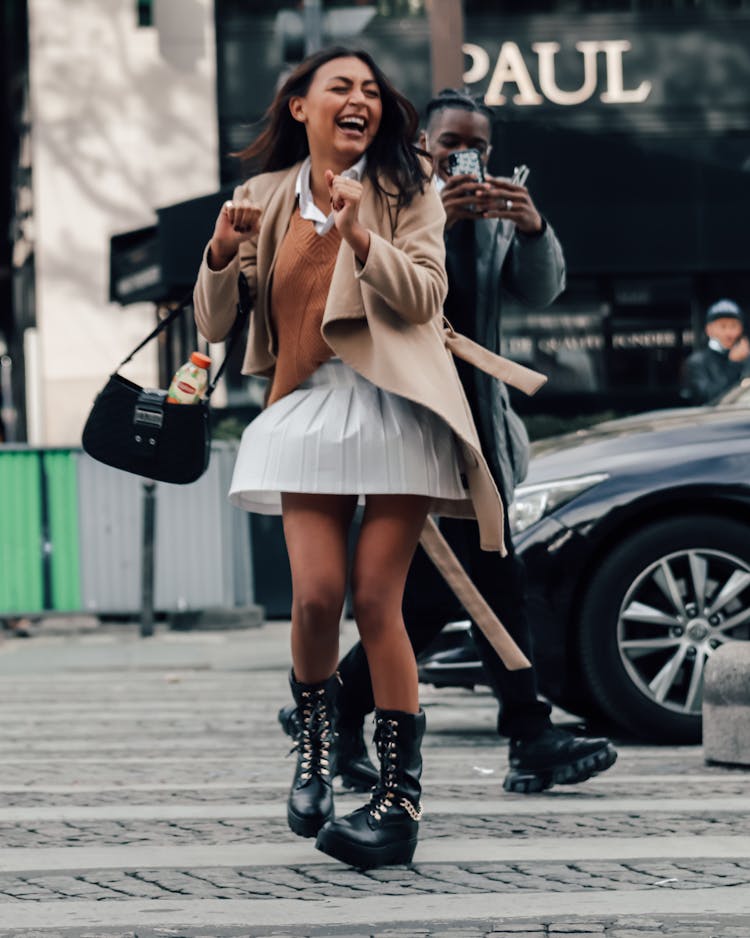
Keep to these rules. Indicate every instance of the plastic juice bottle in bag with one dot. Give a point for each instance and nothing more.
(190, 380)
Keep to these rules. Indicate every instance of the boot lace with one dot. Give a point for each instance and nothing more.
(315, 736)
(384, 794)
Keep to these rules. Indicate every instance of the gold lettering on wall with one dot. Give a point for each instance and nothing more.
(616, 93)
(511, 68)
(546, 52)
(480, 63)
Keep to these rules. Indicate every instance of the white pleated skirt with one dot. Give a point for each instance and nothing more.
(339, 434)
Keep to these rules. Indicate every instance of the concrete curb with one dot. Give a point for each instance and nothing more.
(726, 705)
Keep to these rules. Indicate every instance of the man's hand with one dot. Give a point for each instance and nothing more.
(740, 350)
(458, 193)
(501, 199)
(237, 222)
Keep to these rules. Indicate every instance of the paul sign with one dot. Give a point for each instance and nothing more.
(511, 68)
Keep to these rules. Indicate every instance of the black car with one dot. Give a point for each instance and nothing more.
(636, 538)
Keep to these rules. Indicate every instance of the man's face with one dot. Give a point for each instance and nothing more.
(455, 129)
(725, 329)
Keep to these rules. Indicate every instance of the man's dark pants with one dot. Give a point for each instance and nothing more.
(429, 604)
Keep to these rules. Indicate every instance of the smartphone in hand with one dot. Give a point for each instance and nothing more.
(466, 162)
(469, 163)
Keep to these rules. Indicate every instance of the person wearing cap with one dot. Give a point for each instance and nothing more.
(725, 360)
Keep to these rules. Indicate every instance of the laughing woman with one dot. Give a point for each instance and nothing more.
(340, 239)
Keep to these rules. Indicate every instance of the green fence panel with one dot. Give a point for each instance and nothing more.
(21, 581)
(62, 515)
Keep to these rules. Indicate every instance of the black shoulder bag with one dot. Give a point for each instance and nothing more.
(135, 429)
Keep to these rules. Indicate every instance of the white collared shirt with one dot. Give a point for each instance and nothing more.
(307, 207)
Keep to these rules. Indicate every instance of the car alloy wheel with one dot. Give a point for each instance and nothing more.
(676, 613)
(654, 610)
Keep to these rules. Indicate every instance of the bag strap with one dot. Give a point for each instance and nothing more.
(243, 310)
(244, 303)
(166, 322)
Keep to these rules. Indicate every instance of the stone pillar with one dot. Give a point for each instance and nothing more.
(446, 42)
(726, 705)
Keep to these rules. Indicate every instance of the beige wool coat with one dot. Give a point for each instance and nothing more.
(382, 318)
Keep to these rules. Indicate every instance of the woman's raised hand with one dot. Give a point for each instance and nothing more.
(238, 221)
(346, 195)
(345, 198)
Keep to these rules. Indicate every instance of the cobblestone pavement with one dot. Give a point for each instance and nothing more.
(230, 831)
(142, 793)
(674, 926)
(259, 882)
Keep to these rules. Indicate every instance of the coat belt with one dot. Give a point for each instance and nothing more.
(433, 542)
(518, 376)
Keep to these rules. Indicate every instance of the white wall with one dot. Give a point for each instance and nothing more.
(123, 121)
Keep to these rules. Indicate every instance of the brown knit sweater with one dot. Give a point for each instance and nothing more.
(301, 280)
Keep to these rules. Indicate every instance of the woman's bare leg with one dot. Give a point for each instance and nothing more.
(316, 529)
(388, 538)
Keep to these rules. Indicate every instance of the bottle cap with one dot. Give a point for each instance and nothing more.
(202, 361)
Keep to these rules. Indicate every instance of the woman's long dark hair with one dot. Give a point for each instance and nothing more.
(391, 155)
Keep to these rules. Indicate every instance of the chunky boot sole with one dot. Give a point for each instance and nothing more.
(305, 826)
(532, 781)
(365, 858)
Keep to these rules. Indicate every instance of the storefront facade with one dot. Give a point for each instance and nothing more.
(636, 127)
(122, 120)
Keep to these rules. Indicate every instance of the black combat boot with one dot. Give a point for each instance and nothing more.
(556, 757)
(352, 760)
(310, 802)
(384, 831)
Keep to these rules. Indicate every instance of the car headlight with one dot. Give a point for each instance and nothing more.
(533, 502)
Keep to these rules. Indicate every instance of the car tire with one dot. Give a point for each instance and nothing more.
(623, 690)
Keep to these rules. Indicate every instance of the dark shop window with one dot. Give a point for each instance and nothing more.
(144, 12)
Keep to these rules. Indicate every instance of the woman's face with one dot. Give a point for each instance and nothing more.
(341, 111)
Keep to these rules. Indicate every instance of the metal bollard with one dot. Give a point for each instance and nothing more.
(148, 558)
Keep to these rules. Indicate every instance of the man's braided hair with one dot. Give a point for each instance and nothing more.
(450, 98)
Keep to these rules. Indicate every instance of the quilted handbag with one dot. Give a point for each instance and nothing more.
(136, 430)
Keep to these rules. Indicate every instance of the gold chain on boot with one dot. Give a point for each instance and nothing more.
(414, 813)
(382, 797)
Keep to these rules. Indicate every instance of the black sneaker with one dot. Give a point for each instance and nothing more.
(353, 763)
(556, 757)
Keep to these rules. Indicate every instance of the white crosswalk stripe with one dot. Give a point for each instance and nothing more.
(152, 794)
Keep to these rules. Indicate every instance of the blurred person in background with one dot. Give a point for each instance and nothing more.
(724, 361)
